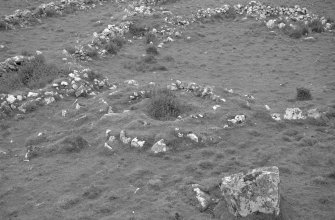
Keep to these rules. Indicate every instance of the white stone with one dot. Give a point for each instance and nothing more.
(64, 112)
(49, 100)
(276, 116)
(64, 83)
(193, 137)
(123, 138)
(216, 107)
(314, 113)
(11, 99)
(32, 94)
(239, 119)
(293, 114)
(137, 143)
(267, 107)
(270, 24)
(159, 147)
(19, 97)
(203, 198)
(254, 192)
(281, 25)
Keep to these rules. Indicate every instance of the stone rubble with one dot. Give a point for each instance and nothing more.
(294, 114)
(25, 17)
(75, 84)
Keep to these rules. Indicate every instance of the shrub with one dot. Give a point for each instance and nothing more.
(10, 82)
(92, 52)
(151, 49)
(91, 75)
(303, 94)
(164, 105)
(316, 26)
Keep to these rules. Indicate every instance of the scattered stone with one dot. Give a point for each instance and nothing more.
(123, 138)
(64, 112)
(193, 137)
(11, 99)
(293, 114)
(32, 94)
(137, 143)
(216, 107)
(276, 116)
(254, 192)
(239, 119)
(203, 198)
(314, 113)
(159, 147)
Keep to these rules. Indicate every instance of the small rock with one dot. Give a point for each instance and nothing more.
(32, 94)
(159, 147)
(49, 100)
(281, 25)
(203, 198)
(314, 113)
(276, 116)
(193, 137)
(64, 112)
(239, 119)
(310, 39)
(123, 138)
(137, 143)
(216, 107)
(270, 24)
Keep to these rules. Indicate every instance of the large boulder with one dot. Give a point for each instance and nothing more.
(252, 193)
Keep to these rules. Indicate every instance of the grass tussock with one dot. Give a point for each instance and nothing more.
(316, 26)
(115, 45)
(303, 94)
(32, 75)
(137, 29)
(151, 50)
(230, 13)
(3, 26)
(164, 105)
(297, 31)
(70, 49)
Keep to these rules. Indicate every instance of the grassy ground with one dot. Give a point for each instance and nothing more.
(73, 176)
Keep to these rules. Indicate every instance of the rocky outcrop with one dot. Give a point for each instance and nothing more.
(257, 191)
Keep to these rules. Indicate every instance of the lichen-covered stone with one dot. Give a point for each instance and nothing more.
(254, 192)
(159, 147)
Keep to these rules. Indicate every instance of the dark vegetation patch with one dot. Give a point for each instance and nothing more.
(151, 49)
(3, 26)
(316, 26)
(114, 45)
(91, 52)
(144, 64)
(296, 32)
(70, 49)
(150, 38)
(164, 105)
(303, 94)
(137, 29)
(72, 144)
(32, 75)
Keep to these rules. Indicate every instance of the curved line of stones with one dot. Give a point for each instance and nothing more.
(24, 17)
(174, 23)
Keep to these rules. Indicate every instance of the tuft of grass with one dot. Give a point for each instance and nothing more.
(296, 32)
(136, 29)
(91, 75)
(91, 52)
(164, 105)
(114, 45)
(49, 12)
(303, 94)
(230, 13)
(70, 49)
(150, 38)
(27, 53)
(316, 26)
(34, 74)
(151, 49)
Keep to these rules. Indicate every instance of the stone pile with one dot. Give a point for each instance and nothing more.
(76, 84)
(25, 17)
(13, 63)
(197, 90)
